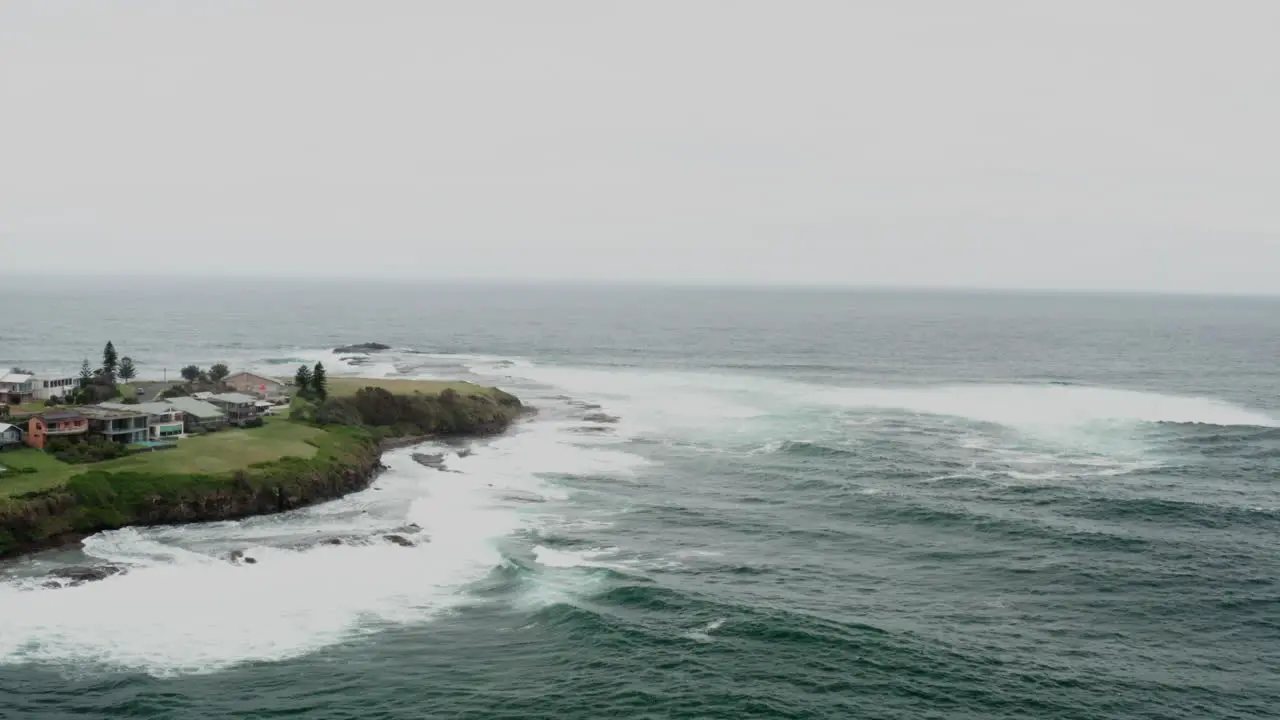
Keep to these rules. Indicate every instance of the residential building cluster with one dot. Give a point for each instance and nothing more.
(249, 396)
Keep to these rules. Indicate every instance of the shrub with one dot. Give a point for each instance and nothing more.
(302, 410)
(95, 450)
(448, 414)
(95, 393)
(338, 411)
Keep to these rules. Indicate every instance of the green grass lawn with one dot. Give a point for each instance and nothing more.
(218, 452)
(50, 472)
(224, 451)
(343, 386)
(31, 407)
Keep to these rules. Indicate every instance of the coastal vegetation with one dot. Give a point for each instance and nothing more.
(99, 384)
(196, 379)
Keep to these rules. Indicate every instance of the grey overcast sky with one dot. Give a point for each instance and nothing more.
(1091, 144)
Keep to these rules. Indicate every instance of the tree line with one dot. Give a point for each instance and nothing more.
(97, 384)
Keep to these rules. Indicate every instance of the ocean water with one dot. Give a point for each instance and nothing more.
(814, 504)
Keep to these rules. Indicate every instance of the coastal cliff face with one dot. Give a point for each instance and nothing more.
(347, 460)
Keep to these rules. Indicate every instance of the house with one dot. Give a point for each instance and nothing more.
(257, 385)
(163, 420)
(17, 388)
(54, 424)
(238, 407)
(11, 436)
(122, 426)
(198, 415)
(56, 387)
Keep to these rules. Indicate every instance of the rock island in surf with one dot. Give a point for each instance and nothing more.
(325, 447)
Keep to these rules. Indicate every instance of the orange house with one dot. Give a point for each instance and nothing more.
(56, 423)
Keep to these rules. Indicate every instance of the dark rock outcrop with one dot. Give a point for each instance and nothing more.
(75, 576)
(362, 348)
(600, 418)
(592, 429)
(237, 557)
(431, 460)
(400, 540)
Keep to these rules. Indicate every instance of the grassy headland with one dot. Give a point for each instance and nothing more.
(225, 451)
(324, 451)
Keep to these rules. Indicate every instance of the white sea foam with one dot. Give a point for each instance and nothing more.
(703, 634)
(1040, 406)
(182, 607)
(682, 399)
(550, 557)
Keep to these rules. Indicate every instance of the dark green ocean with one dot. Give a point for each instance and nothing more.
(812, 504)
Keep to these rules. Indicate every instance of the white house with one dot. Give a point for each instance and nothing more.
(55, 387)
(16, 387)
(27, 387)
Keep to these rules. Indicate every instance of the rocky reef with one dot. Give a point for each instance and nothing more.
(366, 347)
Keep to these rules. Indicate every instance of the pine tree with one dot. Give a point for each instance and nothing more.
(86, 373)
(110, 361)
(319, 385)
(302, 379)
(127, 371)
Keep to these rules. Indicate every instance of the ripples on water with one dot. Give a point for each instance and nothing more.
(739, 545)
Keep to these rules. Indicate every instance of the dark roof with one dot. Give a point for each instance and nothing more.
(234, 398)
(198, 408)
(62, 415)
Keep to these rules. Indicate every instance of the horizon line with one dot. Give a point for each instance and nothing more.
(648, 284)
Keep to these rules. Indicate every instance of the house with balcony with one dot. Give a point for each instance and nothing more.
(198, 415)
(46, 426)
(240, 408)
(17, 388)
(122, 426)
(164, 421)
